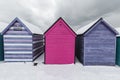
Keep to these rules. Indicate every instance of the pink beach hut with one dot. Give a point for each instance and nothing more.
(59, 43)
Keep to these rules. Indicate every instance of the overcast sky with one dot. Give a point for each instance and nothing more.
(44, 13)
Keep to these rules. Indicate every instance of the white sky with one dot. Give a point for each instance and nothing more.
(44, 13)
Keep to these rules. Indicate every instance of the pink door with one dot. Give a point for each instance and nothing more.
(60, 49)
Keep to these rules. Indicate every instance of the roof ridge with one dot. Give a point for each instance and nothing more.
(86, 27)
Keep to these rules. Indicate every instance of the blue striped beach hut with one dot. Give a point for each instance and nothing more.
(22, 41)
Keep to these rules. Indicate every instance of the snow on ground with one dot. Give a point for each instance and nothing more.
(26, 71)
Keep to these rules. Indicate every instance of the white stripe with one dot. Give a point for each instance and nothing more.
(29, 40)
(23, 52)
(18, 59)
(16, 44)
(13, 27)
(18, 36)
(18, 56)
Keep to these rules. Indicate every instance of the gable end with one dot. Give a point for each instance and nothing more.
(18, 20)
(104, 23)
(68, 27)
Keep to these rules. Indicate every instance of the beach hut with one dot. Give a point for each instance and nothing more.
(59, 43)
(22, 41)
(118, 47)
(96, 43)
(2, 27)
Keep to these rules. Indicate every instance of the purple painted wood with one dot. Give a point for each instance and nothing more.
(19, 54)
(37, 47)
(37, 38)
(18, 49)
(97, 46)
(19, 40)
(17, 46)
(11, 24)
(17, 32)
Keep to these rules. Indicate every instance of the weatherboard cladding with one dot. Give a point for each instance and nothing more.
(59, 44)
(80, 47)
(118, 51)
(99, 45)
(19, 46)
(1, 48)
(38, 47)
(18, 53)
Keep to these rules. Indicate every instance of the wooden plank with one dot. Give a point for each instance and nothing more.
(17, 49)
(18, 57)
(17, 36)
(99, 46)
(40, 41)
(37, 45)
(35, 56)
(21, 38)
(37, 48)
(16, 44)
(17, 32)
(16, 52)
(15, 60)
(11, 41)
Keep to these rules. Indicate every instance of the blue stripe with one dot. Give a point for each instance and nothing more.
(21, 51)
(17, 33)
(17, 42)
(18, 54)
(18, 47)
